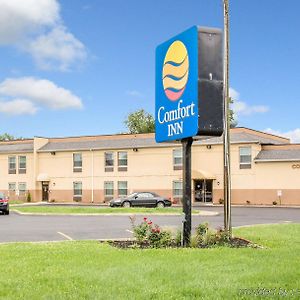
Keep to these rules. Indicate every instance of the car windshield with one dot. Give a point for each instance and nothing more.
(132, 195)
(1, 196)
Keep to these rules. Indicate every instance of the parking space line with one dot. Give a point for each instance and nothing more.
(129, 231)
(64, 235)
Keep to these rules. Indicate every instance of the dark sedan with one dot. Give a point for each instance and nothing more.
(4, 206)
(145, 199)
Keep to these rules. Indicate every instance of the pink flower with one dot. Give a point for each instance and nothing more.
(150, 223)
(145, 219)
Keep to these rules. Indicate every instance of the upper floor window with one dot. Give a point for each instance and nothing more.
(122, 161)
(177, 189)
(77, 162)
(177, 159)
(12, 165)
(245, 158)
(109, 161)
(77, 191)
(22, 164)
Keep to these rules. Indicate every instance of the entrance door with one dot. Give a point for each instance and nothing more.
(203, 190)
(45, 191)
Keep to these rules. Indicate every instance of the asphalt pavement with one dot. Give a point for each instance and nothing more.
(23, 228)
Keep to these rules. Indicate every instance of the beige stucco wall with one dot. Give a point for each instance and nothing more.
(152, 169)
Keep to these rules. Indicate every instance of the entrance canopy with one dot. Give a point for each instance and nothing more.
(43, 177)
(200, 174)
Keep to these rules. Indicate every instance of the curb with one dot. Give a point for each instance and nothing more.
(201, 213)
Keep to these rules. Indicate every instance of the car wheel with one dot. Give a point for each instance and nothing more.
(160, 205)
(126, 204)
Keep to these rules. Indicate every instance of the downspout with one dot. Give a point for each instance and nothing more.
(92, 175)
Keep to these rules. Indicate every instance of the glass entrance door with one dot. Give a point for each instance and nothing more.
(203, 190)
(45, 191)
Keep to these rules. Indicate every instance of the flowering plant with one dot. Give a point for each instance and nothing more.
(151, 234)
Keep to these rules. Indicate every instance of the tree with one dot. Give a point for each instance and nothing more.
(140, 122)
(232, 120)
(6, 137)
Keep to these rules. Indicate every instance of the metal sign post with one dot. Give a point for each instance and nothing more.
(226, 135)
(187, 190)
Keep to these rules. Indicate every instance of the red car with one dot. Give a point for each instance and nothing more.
(4, 205)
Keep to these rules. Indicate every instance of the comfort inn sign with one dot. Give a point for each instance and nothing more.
(176, 87)
(189, 85)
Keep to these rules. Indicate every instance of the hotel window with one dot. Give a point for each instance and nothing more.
(22, 188)
(22, 164)
(177, 159)
(77, 191)
(122, 161)
(177, 189)
(12, 165)
(109, 161)
(245, 157)
(108, 190)
(122, 188)
(77, 162)
(11, 188)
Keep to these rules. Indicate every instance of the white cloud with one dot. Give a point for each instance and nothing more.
(242, 108)
(38, 92)
(134, 93)
(294, 135)
(57, 49)
(19, 18)
(35, 26)
(235, 95)
(18, 107)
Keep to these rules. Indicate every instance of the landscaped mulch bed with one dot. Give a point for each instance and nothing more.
(235, 242)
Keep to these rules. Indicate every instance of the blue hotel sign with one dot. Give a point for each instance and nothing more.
(189, 85)
(176, 104)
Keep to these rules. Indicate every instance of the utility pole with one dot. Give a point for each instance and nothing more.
(226, 135)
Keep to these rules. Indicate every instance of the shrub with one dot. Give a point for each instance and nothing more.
(150, 234)
(274, 202)
(207, 237)
(248, 202)
(221, 201)
(28, 197)
(178, 238)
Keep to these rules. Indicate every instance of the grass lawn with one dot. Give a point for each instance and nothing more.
(89, 270)
(97, 210)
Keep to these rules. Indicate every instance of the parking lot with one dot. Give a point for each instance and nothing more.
(29, 228)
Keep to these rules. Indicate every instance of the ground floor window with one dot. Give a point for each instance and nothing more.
(77, 191)
(12, 188)
(177, 189)
(108, 190)
(122, 188)
(22, 188)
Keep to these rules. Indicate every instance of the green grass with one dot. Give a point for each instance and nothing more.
(97, 210)
(16, 202)
(89, 270)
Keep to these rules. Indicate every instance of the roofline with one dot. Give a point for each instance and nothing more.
(95, 135)
(276, 160)
(263, 132)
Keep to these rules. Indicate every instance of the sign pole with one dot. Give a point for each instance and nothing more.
(226, 135)
(187, 189)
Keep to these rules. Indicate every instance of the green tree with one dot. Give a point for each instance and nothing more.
(232, 120)
(6, 137)
(140, 122)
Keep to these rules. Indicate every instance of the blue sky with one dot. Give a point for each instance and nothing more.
(79, 67)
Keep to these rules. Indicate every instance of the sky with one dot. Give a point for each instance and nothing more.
(79, 67)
